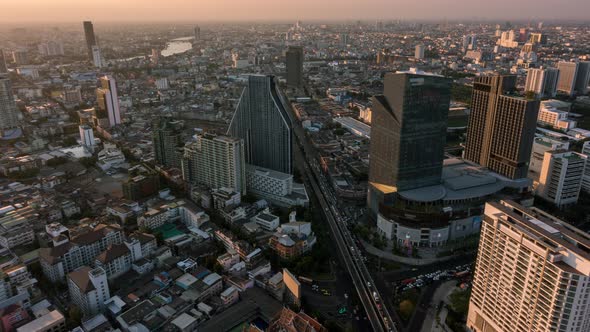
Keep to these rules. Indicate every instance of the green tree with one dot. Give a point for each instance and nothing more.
(74, 316)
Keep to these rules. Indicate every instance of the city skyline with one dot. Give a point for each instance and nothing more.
(227, 10)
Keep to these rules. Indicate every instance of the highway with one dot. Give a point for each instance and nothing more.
(367, 291)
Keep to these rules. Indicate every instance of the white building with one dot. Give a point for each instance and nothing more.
(115, 261)
(276, 187)
(540, 146)
(532, 273)
(555, 113)
(52, 321)
(586, 177)
(97, 58)
(267, 221)
(419, 52)
(507, 39)
(542, 81)
(89, 289)
(108, 99)
(561, 177)
(110, 156)
(87, 137)
(162, 83)
(215, 161)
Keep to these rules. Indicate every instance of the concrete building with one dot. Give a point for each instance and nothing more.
(167, 140)
(573, 77)
(501, 128)
(540, 146)
(555, 113)
(561, 176)
(215, 161)
(262, 121)
(90, 37)
(586, 177)
(294, 64)
(8, 110)
(276, 187)
(542, 81)
(97, 58)
(408, 134)
(267, 221)
(582, 78)
(531, 274)
(52, 321)
(507, 39)
(115, 261)
(89, 289)
(108, 100)
(51, 48)
(87, 137)
(419, 52)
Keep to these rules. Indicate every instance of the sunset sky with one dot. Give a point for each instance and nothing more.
(220, 10)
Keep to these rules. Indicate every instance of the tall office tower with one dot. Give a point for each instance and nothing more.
(197, 33)
(215, 161)
(567, 77)
(501, 128)
(469, 42)
(3, 68)
(294, 66)
(97, 58)
(419, 52)
(531, 273)
(344, 39)
(89, 289)
(8, 110)
(87, 136)
(262, 121)
(167, 140)
(542, 81)
(582, 78)
(408, 134)
(90, 38)
(586, 178)
(108, 100)
(561, 177)
(538, 38)
(523, 35)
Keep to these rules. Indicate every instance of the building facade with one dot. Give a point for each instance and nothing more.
(89, 289)
(262, 121)
(215, 161)
(108, 100)
(561, 177)
(531, 274)
(542, 81)
(408, 134)
(294, 58)
(501, 128)
(167, 139)
(8, 110)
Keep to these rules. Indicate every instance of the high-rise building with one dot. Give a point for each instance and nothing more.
(87, 136)
(8, 110)
(167, 140)
(586, 178)
(90, 38)
(197, 33)
(97, 58)
(20, 57)
(72, 95)
(344, 39)
(542, 81)
(51, 48)
(507, 39)
(582, 78)
(408, 134)
(262, 121)
(469, 42)
(523, 35)
(531, 273)
(561, 177)
(108, 100)
(3, 68)
(294, 58)
(501, 128)
(538, 38)
(89, 289)
(215, 161)
(568, 72)
(419, 52)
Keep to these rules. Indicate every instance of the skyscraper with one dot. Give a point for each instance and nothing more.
(294, 66)
(2, 63)
(97, 58)
(419, 52)
(531, 274)
(215, 161)
(408, 134)
(87, 136)
(167, 140)
(568, 72)
(8, 111)
(108, 100)
(542, 81)
(197, 33)
(90, 38)
(582, 78)
(262, 121)
(501, 128)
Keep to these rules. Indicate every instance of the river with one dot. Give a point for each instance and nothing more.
(177, 46)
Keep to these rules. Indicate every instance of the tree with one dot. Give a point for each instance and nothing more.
(406, 308)
(87, 161)
(530, 95)
(459, 301)
(74, 316)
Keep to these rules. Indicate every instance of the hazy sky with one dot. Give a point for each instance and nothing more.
(220, 10)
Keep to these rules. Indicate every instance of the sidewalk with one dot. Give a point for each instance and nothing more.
(441, 294)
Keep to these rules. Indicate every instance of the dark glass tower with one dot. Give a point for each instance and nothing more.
(294, 66)
(262, 121)
(408, 134)
(90, 38)
(167, 140)
(501, 127)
